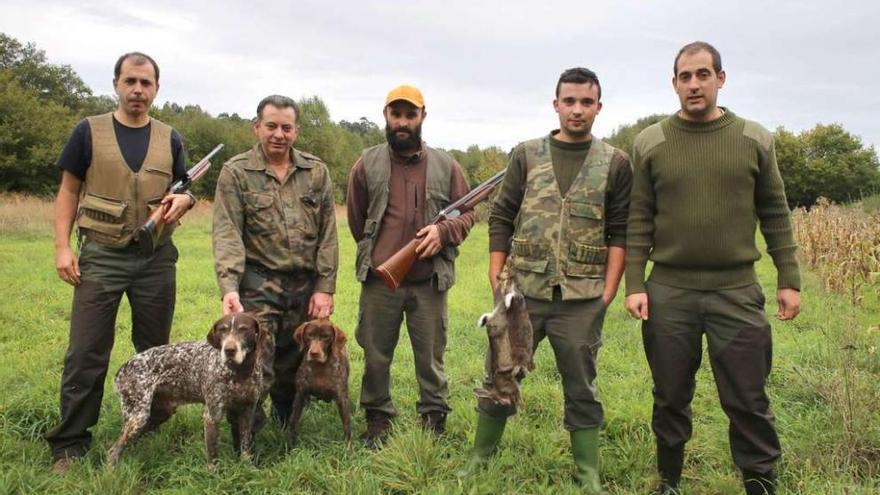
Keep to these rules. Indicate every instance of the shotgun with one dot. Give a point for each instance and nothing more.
(149, 233)
(395, 268)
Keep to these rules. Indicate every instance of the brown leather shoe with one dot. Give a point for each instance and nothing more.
(435, 422)
(378, 429)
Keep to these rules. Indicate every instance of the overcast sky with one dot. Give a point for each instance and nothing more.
(487, 68)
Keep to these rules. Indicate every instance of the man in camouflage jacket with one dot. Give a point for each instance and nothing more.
(275, 248)
(561, 218)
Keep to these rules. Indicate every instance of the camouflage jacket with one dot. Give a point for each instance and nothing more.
(286, 225)
(560, 240)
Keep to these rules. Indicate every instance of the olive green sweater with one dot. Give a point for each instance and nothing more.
(699, 191)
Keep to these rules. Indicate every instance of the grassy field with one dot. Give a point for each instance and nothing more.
(825, 389)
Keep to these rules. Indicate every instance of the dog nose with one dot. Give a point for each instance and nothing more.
(229, 351)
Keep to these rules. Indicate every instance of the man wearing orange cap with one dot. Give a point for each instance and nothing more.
(394, 190)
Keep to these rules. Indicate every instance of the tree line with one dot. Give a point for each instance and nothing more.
(40, 102)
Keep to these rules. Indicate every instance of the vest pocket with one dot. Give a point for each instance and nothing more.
(585, 260)
(534, 266)
(526, 249)
(101, 215)
(586, 222)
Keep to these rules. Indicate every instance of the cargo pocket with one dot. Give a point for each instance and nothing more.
(101, 216)
(585, 260)
(587, 222)
(534, 266)
(258, 218)
(528, 249)
(306, 229)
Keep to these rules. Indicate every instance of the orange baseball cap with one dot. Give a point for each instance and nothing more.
(406, 93)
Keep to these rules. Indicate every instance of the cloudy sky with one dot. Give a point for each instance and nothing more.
(487, 68)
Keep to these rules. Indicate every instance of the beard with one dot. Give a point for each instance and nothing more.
(408, 143)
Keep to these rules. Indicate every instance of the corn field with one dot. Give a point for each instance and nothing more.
(842, 245)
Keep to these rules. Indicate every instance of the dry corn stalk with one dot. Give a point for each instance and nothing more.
(841, 244)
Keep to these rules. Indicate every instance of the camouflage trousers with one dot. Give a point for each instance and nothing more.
(740, 352)
(574, 329)
(107, 274)
(280, 301)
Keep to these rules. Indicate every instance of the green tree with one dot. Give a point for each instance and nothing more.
(50, 82)
(338, 146)
(32, 132)
(624, 135)
(826, 161)
(369, 131)
(201, 133)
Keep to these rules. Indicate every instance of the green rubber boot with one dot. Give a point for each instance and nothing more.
(489, 432)
(585, 450)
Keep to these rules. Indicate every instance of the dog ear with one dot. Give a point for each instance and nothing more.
(299, 334)
(483, 319)
(214, 334)
(339, 340)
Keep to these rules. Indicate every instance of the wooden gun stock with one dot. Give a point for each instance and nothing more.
(395, 268)
(147, 236)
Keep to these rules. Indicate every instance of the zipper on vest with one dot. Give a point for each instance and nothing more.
(134, 195)
(562, 228)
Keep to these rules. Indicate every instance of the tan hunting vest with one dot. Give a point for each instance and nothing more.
(115, 201)
(377, 169)
(561, 240)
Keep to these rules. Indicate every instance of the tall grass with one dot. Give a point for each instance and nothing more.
(831, 439)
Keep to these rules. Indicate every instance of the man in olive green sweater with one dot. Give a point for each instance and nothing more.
(703, 180)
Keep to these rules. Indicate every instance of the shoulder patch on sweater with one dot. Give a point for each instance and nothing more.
(758, 133)
(650, 137)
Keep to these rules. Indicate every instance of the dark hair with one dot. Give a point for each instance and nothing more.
(137, 58)
(579, 75)
(698, 46)
(278, 101)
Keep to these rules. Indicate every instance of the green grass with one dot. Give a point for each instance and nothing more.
(824, 389)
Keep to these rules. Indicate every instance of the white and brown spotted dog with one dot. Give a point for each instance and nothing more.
(323, 373)
(224, 372)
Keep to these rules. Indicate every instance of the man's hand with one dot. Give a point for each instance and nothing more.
(67, 265)
(430, 244)
(232, 303)
(789, 301)
(637, 305)
(176, 205)
(497, 259)
(321, 305)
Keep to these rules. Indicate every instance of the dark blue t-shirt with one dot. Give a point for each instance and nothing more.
(133, 142)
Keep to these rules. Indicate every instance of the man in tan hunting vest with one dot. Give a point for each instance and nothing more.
(116, 168)
(561, 218)
(394, 190)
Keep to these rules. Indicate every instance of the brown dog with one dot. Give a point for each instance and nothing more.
(323, 373)
(224, 372)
